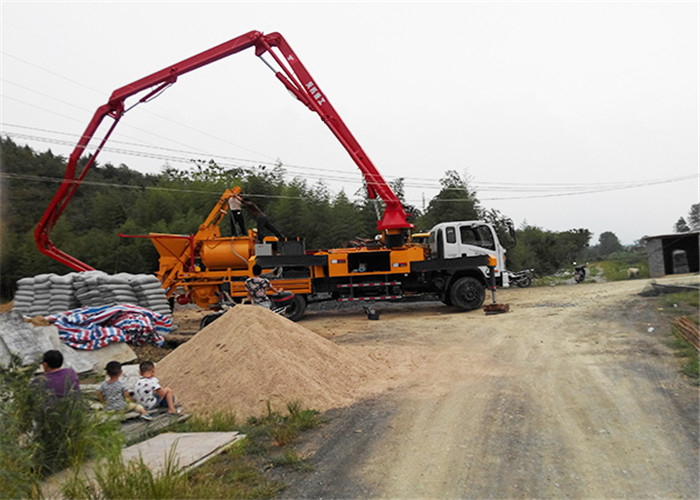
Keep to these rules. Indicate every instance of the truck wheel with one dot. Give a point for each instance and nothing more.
(295, 310)
(467, 294)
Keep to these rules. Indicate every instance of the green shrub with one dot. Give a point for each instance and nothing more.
(115, 479)
(217, 422)
(40, 437)
(615, 269)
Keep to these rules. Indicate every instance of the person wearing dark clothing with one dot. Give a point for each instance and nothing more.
(261, 220)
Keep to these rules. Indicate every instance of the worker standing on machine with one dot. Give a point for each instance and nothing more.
(235, 214)
(261, 220)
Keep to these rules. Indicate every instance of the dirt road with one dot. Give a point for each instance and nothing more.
(568, 395)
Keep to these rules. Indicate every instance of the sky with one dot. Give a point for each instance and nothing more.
(560, 115)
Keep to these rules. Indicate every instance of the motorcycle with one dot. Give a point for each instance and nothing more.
(280, 302)
(522, 279)
(579, 272)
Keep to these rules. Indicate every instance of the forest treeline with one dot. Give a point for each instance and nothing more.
(114, 200)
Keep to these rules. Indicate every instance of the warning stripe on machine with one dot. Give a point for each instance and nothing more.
(383, 297)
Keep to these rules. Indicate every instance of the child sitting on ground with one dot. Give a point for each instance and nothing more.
(149, 393)
(115, 394)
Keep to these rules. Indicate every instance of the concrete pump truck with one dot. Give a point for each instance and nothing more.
(454, 266)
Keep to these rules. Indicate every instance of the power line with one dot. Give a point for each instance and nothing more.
(545, 190)
(80, 84)
(554, 189)
(421, 183)
(40, 178)
(437, 200)
(146, 110)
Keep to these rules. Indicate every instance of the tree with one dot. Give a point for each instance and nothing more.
(694, 217)
(346, 224)
(681, 226)
(397, 186)
(454, 202)
(608, 243)
(503, 226)
(547, 251)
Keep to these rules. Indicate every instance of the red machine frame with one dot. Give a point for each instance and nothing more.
(293, 76)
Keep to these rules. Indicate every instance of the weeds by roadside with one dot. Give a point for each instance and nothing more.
(40, 438)
(683, 304)
(690, 366)
(617, 269)
(37, 440)
(116, 479)
(239, 472)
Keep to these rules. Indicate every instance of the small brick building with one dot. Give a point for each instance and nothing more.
(676, 253)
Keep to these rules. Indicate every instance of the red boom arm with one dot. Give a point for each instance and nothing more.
(295, 78)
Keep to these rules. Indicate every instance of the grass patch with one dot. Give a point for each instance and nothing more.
(690, 365)
(274, 429)
(116, 479)
(238, 472)
(558, 279)
(216, 422)
(290, 458)
(686, 304)
(41, 436)
(38, 439)
(616, 269)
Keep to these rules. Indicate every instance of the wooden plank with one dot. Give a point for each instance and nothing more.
(689, 330)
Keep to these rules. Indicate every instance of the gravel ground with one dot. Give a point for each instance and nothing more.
(574, 393)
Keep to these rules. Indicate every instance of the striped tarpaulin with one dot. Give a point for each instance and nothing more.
(90, 328)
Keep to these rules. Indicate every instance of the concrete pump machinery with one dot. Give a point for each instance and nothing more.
(454, 265)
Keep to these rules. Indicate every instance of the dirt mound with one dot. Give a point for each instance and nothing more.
(251, 356)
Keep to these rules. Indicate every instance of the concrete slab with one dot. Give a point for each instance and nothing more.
(99, 358)
(189, 451)
(20, 338)
(186, 450)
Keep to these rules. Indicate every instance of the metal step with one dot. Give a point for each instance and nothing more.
(369, 284)
(377, 297)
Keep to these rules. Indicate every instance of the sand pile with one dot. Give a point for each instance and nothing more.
(250, 356)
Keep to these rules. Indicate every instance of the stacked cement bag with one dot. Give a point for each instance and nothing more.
(150, 294)
(62, 296)
(24, 296)
(117, 289)
(87, 290)
(46, 294)
(42, 295)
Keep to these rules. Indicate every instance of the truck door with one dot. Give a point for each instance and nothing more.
(482, 238)
(452, 247)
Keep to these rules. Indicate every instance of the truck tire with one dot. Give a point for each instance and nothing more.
(467, 293)
(295, 311)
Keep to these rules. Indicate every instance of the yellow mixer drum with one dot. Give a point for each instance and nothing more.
(226, 253)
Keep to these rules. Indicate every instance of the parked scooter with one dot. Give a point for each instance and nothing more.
(279, 301)
(522, 279)
(579, 272)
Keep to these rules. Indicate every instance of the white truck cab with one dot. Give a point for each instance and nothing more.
(451, 240)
